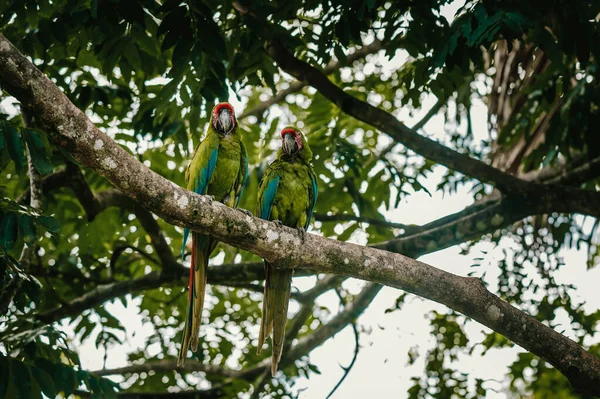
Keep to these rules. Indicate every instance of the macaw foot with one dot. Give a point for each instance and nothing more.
(302, 232)
(245, 212)
(277, 222)
(211, 198)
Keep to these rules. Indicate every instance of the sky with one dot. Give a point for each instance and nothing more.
(381, 369)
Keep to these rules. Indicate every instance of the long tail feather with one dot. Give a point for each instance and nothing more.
(275, 307)
(185, 343)
(202, 246)
(266, 319)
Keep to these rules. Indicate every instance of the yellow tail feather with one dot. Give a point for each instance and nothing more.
(202, 246)
(274, 311)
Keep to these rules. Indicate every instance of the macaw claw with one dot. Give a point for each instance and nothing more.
(302, 232)
(277, 222)
(245, 212)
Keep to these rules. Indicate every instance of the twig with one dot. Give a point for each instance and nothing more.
(354, 357)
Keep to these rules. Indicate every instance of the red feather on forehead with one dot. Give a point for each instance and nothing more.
(220, 106)
(297, 136)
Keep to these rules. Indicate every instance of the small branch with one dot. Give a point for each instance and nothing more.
(109, 198)
(9, 292)
(462, 226)
(344, 217)
(49, 183)
(230, 274)
(168, 365)
(350, 313)
(82, 191)
(327, 283)
(354, 357)
(260, 383)
(212, 393)
(579, 175)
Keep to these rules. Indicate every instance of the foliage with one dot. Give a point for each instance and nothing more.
(147, 72)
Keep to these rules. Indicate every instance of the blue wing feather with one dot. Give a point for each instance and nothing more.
(243, 184)
(268, 198)
(201, 187)
(313, 198)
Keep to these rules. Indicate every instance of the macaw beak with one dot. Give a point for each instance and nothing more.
(225, 120)
(289, 144)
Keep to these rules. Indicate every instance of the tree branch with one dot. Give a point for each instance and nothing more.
(229, 275)
(345, 217)
(388, 124)
(585, 201)
(69, 128)
(163, 250)
(298, 86)
(191, 365)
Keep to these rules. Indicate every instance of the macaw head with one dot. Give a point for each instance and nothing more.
(293, 143)
(223, 118)
(291, 140)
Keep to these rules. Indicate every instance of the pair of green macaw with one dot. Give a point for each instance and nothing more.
(287, 193)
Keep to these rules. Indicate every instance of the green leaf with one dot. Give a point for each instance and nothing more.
(8, 230)
(45, 382)
(50, 223)
(4, 375)
(65, 379)
(14, 144)
(108, 388)
(27, 229)
(38, 150)
(21, 379)
(94, 386)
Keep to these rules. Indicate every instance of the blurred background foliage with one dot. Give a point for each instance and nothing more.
(147, 71)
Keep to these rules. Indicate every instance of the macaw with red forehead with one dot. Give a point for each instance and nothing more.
(219, 168)
(287, 193)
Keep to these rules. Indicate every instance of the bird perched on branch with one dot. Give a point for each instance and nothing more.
(219, 168)
(287, 194)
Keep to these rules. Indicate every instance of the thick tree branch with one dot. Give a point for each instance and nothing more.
(584, 201)
(388, 124)
(230, 275)
(69, 128)
(298, 86)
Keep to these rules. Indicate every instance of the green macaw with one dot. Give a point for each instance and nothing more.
(219, 168)
(287, 193)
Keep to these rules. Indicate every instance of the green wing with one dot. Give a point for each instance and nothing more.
(313, 191)
(243, 174)
(200, 171)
